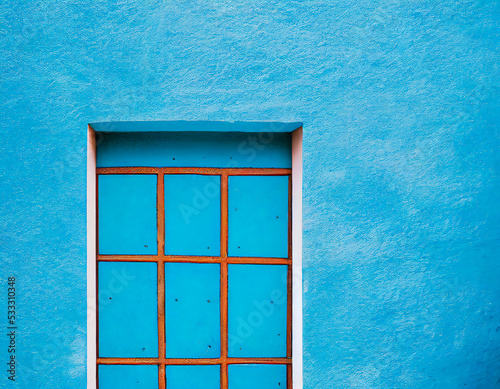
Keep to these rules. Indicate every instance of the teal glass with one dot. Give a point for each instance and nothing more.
(258, 216)
(192, 215)
(128, 377)
(128, 310)
(192, 377)
(257, 376)
(127, 214)
(192, 310)
(257, 310)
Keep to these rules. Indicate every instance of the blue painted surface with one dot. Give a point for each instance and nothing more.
(192, 310)
(257, 305)
(196, 149)
(127, 214)
(192, 377)
(192, 215)
(128, 313)
(257, 376)
(400, 105)
(128, 376)
(258, 216)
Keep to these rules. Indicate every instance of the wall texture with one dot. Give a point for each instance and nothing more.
(400, 104)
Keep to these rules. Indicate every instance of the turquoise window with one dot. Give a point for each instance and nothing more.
(258, 216)
(128, 323)
(257, 376)
(192, 214)
(257, 310)
(127, 214)
(192, 310)
(193, 377)
(128, 376)
(194, 265)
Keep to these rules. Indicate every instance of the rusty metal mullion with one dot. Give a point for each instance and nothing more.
(289, 376)
(224, 280)
(257, 172)
(161, 279)
(127, 258)
(258, 260)
(193, 170)
(192, 361)
(129, 361)
(289, 286)
(191, 259)
(267, 361)
(97, 279)
(289, 326)
(289, 313)
(128, 170)
(290, 217)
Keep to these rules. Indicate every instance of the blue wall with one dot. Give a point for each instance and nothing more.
(400, 105)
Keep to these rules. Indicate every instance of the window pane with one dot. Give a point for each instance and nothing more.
(127, 214)
(128, 376)
(193, 377)
(257, 376)
(258, 216)
(257, 310)
(128, 318)
(192, 310)
(196, 147)
(192, 215)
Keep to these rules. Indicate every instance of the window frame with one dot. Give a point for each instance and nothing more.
(294, 334)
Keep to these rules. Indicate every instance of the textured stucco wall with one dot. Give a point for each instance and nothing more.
(400, 106)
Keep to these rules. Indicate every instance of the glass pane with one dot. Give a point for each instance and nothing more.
(192, 215)
(127, 214)
(258, 216)
(196, 147)
(193, 377)
(128, 309)
(128, 376)
(192, 310)
(257, 376)
(257, 310)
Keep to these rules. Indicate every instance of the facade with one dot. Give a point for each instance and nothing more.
(398, 101)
